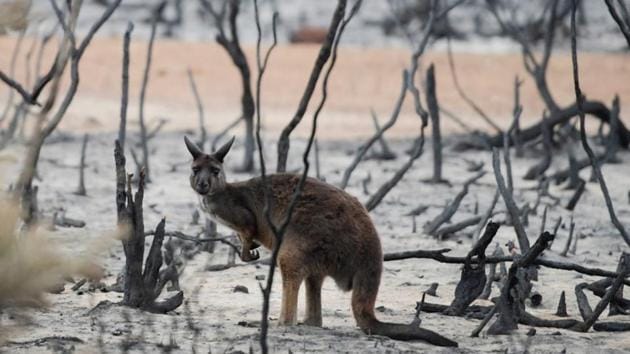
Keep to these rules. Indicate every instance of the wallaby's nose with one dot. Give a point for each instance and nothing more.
(203, 186)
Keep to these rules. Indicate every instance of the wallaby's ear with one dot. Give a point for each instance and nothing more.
(223, 150)
(195, 151)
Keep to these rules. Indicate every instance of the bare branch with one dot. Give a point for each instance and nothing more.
(202, 126)
(623, 27)
(509, 203)
(452, 207)
(591, 155)
(378, 196)
(144, 135)
(367, 145)
(124, 100)
(322, 58)
(462, 93)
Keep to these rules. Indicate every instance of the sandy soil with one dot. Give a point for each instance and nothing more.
(217, 310)
(363, 79)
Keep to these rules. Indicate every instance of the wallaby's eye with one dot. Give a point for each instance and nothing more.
(196, 169)
(215, 171)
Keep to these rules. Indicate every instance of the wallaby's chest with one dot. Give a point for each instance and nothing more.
(214, 212)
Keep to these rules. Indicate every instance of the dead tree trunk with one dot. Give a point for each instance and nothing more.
(473, 277)
(434, 113)
(515, 288)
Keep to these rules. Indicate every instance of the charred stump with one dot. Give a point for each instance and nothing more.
(141, 286)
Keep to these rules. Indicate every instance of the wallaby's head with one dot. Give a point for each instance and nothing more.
(207, 169)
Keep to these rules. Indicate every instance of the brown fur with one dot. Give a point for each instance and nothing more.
(330, 235)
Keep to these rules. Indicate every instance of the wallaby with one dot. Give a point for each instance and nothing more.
(330, 234)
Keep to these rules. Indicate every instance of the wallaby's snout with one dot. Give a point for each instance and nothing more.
(207, 169)
(202, 187)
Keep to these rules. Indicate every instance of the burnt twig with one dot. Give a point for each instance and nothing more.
(452, 207)
(378, 196)
(81, 189)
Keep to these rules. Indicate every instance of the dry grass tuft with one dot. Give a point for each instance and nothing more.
(14, 14)
(30, 265)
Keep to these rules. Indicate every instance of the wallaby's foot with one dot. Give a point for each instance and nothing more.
(284, 322)
(248, 255)
(315, 322)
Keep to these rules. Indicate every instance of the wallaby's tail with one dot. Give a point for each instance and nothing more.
(408, 332)
(364, 289)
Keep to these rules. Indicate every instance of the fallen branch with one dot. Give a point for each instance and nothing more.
(624, 271)
(439, 255)
(562, 116)
(451, 229)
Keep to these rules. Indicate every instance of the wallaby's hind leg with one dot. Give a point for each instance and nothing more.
(291, 281)
(364, 291)
(314, 300)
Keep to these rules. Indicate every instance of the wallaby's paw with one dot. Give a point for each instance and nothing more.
(254, 255)
(286, 323)
(250, 256)
(313, 322)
